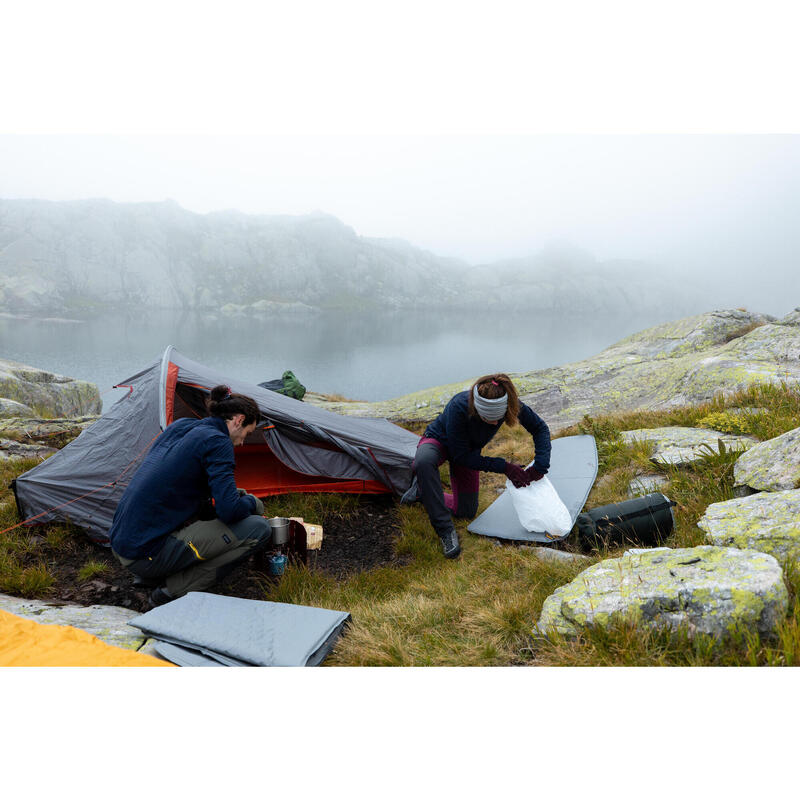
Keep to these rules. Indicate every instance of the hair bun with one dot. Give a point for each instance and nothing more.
(219, 393)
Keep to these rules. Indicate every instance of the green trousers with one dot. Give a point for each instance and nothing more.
(194, 558)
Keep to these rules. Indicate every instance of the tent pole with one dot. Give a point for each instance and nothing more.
(162, 387)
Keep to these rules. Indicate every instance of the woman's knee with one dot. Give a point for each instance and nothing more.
(426, 461)
(254, 527)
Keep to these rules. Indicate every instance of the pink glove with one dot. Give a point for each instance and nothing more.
(517, 475)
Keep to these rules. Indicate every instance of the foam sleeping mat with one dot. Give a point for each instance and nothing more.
(203, 629)
(573, 469)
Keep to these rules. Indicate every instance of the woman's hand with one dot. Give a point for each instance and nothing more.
(517, 475)
(534, 474)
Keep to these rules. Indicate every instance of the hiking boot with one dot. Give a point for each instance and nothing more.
(412, 494)
(159, 596)
(451, 546)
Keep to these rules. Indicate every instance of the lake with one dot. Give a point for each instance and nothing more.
(365, 356)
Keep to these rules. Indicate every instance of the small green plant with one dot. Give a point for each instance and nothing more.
(91, 569)
(726, 422)
(34, 581)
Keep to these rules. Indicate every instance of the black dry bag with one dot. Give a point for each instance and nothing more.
(644, 520)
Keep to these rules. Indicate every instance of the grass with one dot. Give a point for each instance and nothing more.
(480, 610)
(475, 611)
(91, 569)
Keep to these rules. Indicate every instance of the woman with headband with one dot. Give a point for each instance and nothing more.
(164, 529)
(468, 423)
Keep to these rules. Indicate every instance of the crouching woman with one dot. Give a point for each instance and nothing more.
(468, 423)
(165, 530)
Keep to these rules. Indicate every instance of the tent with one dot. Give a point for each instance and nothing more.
(297, 447)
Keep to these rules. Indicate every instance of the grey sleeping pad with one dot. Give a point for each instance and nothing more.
(573, 469)
(203, 628)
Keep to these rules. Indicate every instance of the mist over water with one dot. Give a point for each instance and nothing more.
(373, 356)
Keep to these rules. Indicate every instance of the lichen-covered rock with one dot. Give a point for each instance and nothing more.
(771, 466)
(48, 392)
(792, 318)
(677, 445)
(554, 556)
(679, 363)
(11, 408)
(707, 589)
(646, 484)
(10, 450)
(108, 623)
(51, 432)
(767, 521)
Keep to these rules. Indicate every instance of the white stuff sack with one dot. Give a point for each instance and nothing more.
(540, 509)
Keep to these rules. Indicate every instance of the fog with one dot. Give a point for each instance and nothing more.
(720, 209)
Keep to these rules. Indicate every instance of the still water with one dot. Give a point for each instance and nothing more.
(361, 356)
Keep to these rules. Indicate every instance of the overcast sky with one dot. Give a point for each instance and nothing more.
(397, 119)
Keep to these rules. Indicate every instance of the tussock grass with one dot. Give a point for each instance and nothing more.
(15, 544)
(23, 581)
(91, 569)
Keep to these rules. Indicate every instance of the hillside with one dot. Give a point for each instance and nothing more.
(79, 256)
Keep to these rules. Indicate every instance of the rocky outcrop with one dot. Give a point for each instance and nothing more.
(707, 589)
(30, 437)
(51, 432)
(11, 450)
(768, 522)
(11, 408)
(792, 318)
(646, 484)
(771, 466)
(551, 555)
(670, 365)
(45, 392)
(678, 446)
(108, 623)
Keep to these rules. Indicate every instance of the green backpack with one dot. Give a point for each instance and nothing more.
(287, 384)
(291, 386)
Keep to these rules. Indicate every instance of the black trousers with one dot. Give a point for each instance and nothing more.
(442, 506)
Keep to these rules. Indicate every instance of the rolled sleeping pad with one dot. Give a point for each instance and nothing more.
(644, 520)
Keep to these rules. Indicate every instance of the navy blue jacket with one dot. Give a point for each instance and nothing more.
(190, 462)
(465, 436)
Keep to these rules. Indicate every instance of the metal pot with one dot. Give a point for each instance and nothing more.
(280, 529)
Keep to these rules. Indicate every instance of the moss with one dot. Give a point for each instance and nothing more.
(726, 422)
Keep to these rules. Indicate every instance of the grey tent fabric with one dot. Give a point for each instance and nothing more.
(97, 465)
(201, 629)
(573, 469)
(83, 482)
